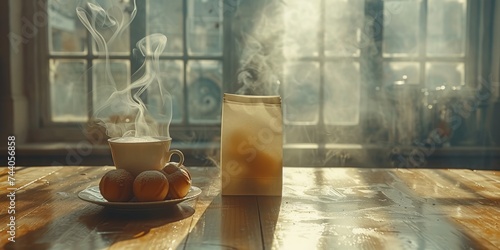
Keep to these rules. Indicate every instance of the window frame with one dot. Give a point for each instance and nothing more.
(40, 131)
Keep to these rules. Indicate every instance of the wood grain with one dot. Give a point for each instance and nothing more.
(321, 208)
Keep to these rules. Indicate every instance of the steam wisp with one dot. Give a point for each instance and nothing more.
(124, 113)
(261, 52)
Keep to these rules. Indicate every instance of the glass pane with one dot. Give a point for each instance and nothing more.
(446, 27)
(343, 27)
(66, 32)
(401, 26)
(204, 27)
(113, 28)
(166, 17)
(301, 91)
(171, 75)
(401, 72)
(68, 90)
(444, 74)
(342, 93)
(301, 28)
(204, 91)
(102, 85)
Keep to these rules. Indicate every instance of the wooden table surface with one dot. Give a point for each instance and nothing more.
(321, 208)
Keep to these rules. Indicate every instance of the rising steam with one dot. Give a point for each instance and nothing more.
(261, 51)
(124, 113)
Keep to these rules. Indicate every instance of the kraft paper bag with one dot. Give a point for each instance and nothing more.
(251, 145)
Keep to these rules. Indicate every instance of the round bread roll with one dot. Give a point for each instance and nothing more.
(151, 185)
(172, 167)
(116, 185)
(186, 170)
(179, 181)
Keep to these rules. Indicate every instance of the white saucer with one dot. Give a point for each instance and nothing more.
(93, 195)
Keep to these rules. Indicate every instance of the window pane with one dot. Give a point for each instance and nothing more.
(444, 74)
(171, 75)
(446, 27)
(166, 17)
(116, 33)
(401, 26)
(68, 90)
(343, 27)
(342, 93)
(204, 91)
(301, 91)
(66, 33)
(402, 72)
(102, 85)
(301, 28)
(204, 27)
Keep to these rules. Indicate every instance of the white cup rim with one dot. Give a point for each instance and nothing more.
(161, 138)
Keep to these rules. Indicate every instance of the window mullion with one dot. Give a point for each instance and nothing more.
(473, 15)
(229, 61)
(371, 62)
(423, 42)
(185, 117)
(137, 32)
(321, 140)
(90, 75)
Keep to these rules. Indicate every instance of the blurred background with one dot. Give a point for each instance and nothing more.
(376, 83)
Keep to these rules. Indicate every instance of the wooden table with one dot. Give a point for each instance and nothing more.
(321, 208)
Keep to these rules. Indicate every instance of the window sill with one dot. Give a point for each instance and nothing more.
(307, 154)
(375, 155)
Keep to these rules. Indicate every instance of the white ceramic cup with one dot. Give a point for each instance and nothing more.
(140, 156)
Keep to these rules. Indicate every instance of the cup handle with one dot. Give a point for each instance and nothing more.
(176, 152)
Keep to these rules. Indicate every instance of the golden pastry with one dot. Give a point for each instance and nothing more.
(116, 185)
(151, 185)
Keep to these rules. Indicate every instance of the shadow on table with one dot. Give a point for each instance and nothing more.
(234, 222)
(269, 211)
(99, 228)
(117, 225)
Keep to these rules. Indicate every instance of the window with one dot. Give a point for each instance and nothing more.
(378, 73)
(359, 51)
(191, 65)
